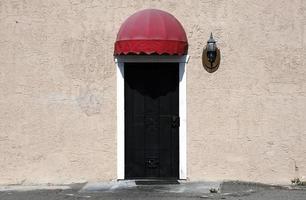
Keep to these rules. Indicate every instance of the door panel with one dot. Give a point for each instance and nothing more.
(151, 102)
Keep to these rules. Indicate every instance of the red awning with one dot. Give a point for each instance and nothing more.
(151, 31)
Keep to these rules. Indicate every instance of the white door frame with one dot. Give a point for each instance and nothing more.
(182, 60)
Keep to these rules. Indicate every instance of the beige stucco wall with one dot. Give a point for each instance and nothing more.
(58, 89)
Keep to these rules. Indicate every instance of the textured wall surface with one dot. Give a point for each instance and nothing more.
(58, 89)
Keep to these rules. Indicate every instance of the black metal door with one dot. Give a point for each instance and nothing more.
(151, 120)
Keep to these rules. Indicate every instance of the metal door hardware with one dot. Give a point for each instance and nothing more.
(175, 121)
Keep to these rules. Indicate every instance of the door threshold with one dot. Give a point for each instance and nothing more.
(157, 182)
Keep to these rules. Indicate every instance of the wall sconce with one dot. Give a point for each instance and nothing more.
(211, 55)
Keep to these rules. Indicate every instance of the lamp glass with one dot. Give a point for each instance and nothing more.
(211, 46)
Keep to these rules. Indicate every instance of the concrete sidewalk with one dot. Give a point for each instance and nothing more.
(159, 187)
(130, 190)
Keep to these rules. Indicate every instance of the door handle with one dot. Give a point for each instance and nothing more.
(175, 121)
